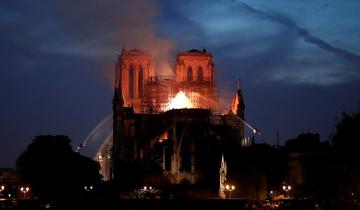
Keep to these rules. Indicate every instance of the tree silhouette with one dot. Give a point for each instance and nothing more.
(54, 170)
(346, 140)
(347, 133)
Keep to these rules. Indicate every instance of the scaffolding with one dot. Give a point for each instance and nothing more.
(160, 90)
(203, 94)
(157, 93)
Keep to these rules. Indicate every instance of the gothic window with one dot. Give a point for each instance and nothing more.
(200, 74)
(141, 81)
(189, 74)
(131, 81)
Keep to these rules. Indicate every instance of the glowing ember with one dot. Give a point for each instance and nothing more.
(180, 101)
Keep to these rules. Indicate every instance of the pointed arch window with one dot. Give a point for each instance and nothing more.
(189, 74)
(131, 81)
(141, 81)
(200, 74)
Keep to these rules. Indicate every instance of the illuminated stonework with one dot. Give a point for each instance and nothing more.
(194, 66)
(134, 68)
(194, 71)
(147, 93)
(173, 120)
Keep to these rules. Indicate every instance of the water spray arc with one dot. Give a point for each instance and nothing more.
(106, 121)
(222, 106)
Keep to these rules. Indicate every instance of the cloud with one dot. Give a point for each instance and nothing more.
(352, 58)
(260, 45)
(174, 21)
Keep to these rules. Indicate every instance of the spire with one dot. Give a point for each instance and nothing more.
(237, 105)
(123, 49)
(240, 101)
(223, 163)
(223, 174)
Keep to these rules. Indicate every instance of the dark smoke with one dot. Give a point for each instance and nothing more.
(138, 30)
(302, 32)
(99, 29)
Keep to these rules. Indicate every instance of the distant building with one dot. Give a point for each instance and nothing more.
(307, 156)
(8, 176)
(104, 158)
(11, 182)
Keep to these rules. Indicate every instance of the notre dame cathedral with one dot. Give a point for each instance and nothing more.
(189, 144)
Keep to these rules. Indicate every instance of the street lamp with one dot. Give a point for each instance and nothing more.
(286, 188)
(147, 188)
(24, 190)
(271, 194)
(2, 187)
(88, 188)
(146, 192)
(229, 188)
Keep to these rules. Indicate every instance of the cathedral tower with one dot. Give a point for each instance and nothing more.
(134, 69)
(194, 66)
(195, 71)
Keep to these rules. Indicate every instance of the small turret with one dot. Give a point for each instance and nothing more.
(223, 174)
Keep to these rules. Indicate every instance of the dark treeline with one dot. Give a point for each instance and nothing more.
(54, 170)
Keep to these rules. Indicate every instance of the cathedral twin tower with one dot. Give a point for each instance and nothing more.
(180, 140)
(145, 91)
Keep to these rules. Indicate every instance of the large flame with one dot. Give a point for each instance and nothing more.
(180, 101)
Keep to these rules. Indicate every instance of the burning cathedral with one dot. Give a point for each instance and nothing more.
(175, 121)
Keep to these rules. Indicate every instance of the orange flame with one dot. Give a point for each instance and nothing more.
(180, 101)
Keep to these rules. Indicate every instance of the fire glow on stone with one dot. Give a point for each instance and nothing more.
(180, 101)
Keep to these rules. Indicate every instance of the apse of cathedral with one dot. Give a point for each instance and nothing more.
(174, 120)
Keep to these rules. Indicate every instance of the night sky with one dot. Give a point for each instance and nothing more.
(298, 61)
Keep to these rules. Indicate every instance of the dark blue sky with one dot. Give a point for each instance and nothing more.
(298, 61)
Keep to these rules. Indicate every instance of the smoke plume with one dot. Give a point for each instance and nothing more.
(137, 30)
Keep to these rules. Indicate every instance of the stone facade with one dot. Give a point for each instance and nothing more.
(194, 66)
(146, 92)
(134, 69)
(181, 141)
